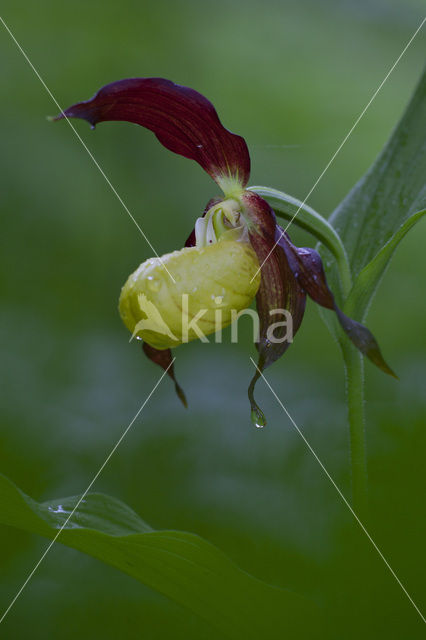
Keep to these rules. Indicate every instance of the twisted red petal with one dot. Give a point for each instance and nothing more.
(163, 357)
(307, 264)
(183, 120)
(279, 288)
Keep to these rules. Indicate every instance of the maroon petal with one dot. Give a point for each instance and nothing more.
(183, 120)
(306, 263)
(163, 357)
(190, 241)
(279, 289)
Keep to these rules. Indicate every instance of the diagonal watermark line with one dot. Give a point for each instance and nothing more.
(83, 495)
(339, 492)
(345, 139)
(95, 162)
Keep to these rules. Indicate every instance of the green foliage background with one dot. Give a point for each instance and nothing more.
(291, 77)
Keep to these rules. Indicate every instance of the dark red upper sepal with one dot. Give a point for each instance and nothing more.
(183, 120)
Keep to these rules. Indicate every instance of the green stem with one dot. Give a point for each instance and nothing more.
(302, 215)
(307, 218)
(354, 368)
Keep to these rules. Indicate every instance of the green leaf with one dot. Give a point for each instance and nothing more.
(369, 278)
(391, 191)
(180, 565)
(380, 209)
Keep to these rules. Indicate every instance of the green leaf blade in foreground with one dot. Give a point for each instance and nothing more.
(180, 565)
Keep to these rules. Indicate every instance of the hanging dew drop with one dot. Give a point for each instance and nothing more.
(257, 418)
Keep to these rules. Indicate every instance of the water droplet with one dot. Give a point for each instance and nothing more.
(59, 509)
(257, 418)
(153, 284)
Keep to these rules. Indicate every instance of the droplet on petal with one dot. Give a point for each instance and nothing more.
(156, 309)
(153, 283)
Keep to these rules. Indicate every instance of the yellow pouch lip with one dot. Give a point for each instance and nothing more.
(220, 270)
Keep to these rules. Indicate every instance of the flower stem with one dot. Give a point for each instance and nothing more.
(354, 368)
(297, 212)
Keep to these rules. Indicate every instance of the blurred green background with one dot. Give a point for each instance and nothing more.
(290, 76)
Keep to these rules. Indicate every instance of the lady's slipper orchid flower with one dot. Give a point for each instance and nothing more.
(236, 250)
